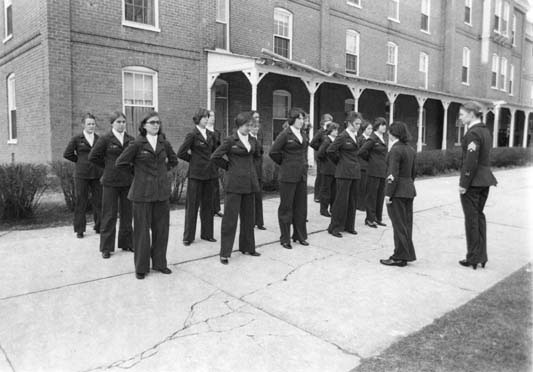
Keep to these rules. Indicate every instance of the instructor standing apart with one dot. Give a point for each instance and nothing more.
(289, 151)
(476, 178)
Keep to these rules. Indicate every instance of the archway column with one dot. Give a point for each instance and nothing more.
(512, 125)
(421, 100)
(444, 144)
(312, 86)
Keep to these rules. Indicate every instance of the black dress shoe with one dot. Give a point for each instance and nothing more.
(219, 214)
(325, 214)
(212, 240)
(380, 223)
(186, 242)
(106, 254)
(140, 275)
(127, 249)
(224, 261)
(79, 235)
(336, 234)
(286, 245)
(256, 254)
(302, 242)
(466, 264)
(393, 262)
(353, 232)
(371, 224)
(261, 227)
(165, 270)
(97, 231)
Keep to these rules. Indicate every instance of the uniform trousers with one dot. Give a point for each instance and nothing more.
(317, 185)
(328, 190)
(473, 202)
(343, 213)
(292, 210)
(258, 201)
(115, 199)
(361, 194)
(401, 215)
(199, 195)
(155, 217)
(83, 187)
(237, 207)
(216, 197)
(375, 196)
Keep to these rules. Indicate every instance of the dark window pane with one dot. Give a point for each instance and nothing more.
(390, 72)
(9, 20)
(277, 127)
(424, 24)
(493, 79)
(351, 63)
(281, 46)
(467, 14)
(134, 116)
(129, 12)
(14, 124)
(221, 35)
(464, 75)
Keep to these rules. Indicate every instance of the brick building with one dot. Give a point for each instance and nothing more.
(413, 60)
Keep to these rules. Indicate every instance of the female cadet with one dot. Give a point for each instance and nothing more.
(366, 131)
(257, 133)
(327, 170)
(216, 181)
(116, 183)
(343, 152)
(197, 148)
(375, 151)
(289, 151)
(86, 176)
(240, 184)
(400, 192)
(151, 156)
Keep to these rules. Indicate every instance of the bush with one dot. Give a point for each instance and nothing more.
(21, 188)
(178, 177)
(508, 156)
(64, 170)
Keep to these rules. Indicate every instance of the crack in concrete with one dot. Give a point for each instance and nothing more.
(5, 233)
(7, 358)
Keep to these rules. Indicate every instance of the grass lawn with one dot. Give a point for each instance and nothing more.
(490, 333)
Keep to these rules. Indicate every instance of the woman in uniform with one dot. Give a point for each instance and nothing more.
(366, 131)
(327, 170)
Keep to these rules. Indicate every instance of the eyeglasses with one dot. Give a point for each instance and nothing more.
(154, 122)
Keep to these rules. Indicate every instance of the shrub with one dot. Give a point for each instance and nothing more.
(64, 170)
(21, 187)
(178, 177)
(508, 156)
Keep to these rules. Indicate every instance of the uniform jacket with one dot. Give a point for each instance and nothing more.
(258, 161)
(150, 182)
(375, 151)
(362, 161)
(104, 154)
(77, 151)
(318, 138)
(197, 152)
(240, 177)
(343, 152)
(291, 156)
(475, 168)
(401, 171)
(327, 167)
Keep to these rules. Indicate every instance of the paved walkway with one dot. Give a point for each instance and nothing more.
(316, 308)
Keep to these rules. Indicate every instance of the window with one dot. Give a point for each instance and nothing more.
(392, 61)
(505, 19)
(141, 14)
(465, 71)
(356, 3)
(460, 128)
(494, 75)
(511, 79)
(423, 65)
(424, 20)
(468, 12)
(497, 15)
(503, 74)
(139, 92)
(394, 10)
(513, 31)
(8, 20)
(221, 106)
(349, 104)
(222, 29)
(11, 110)
(352, 52)
(281, 103)
(282, 32)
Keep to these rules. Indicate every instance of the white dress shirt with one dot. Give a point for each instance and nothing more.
(351, 135)
(474, 122)
(152, 140)
(119, 136)
(203, 131)
(244, 140)
(297, 133)
(380, 136)
(89, 137)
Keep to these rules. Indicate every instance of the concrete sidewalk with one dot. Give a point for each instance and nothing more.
(315, 308)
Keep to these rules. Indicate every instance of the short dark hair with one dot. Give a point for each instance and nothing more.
(399, 130)
(243, 118)
(473, 107)
(326, 117)
(352, 116)
(87, 115)
(115, 115)
(378, 122)
(365, 125)
(331, 127)
(200, 113)
(150, 114)
(294, 114)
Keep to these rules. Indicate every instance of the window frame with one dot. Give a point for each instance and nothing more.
(510, 89)
(426, 68)
(11, 106)
(495, 68)
(139, 25)
(428, 15)
(466, 64)
(283, 93)
(357, 50)
(513, 30)
(397, 19)
(395, 63)
(7, 4)
(497, 16)
(274, 34)
(145, 71)
(505, 18)
(226, 22)
(503, 74)
(354, 3)
(468, 4)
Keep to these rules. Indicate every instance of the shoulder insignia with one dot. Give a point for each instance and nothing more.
(472, 146)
